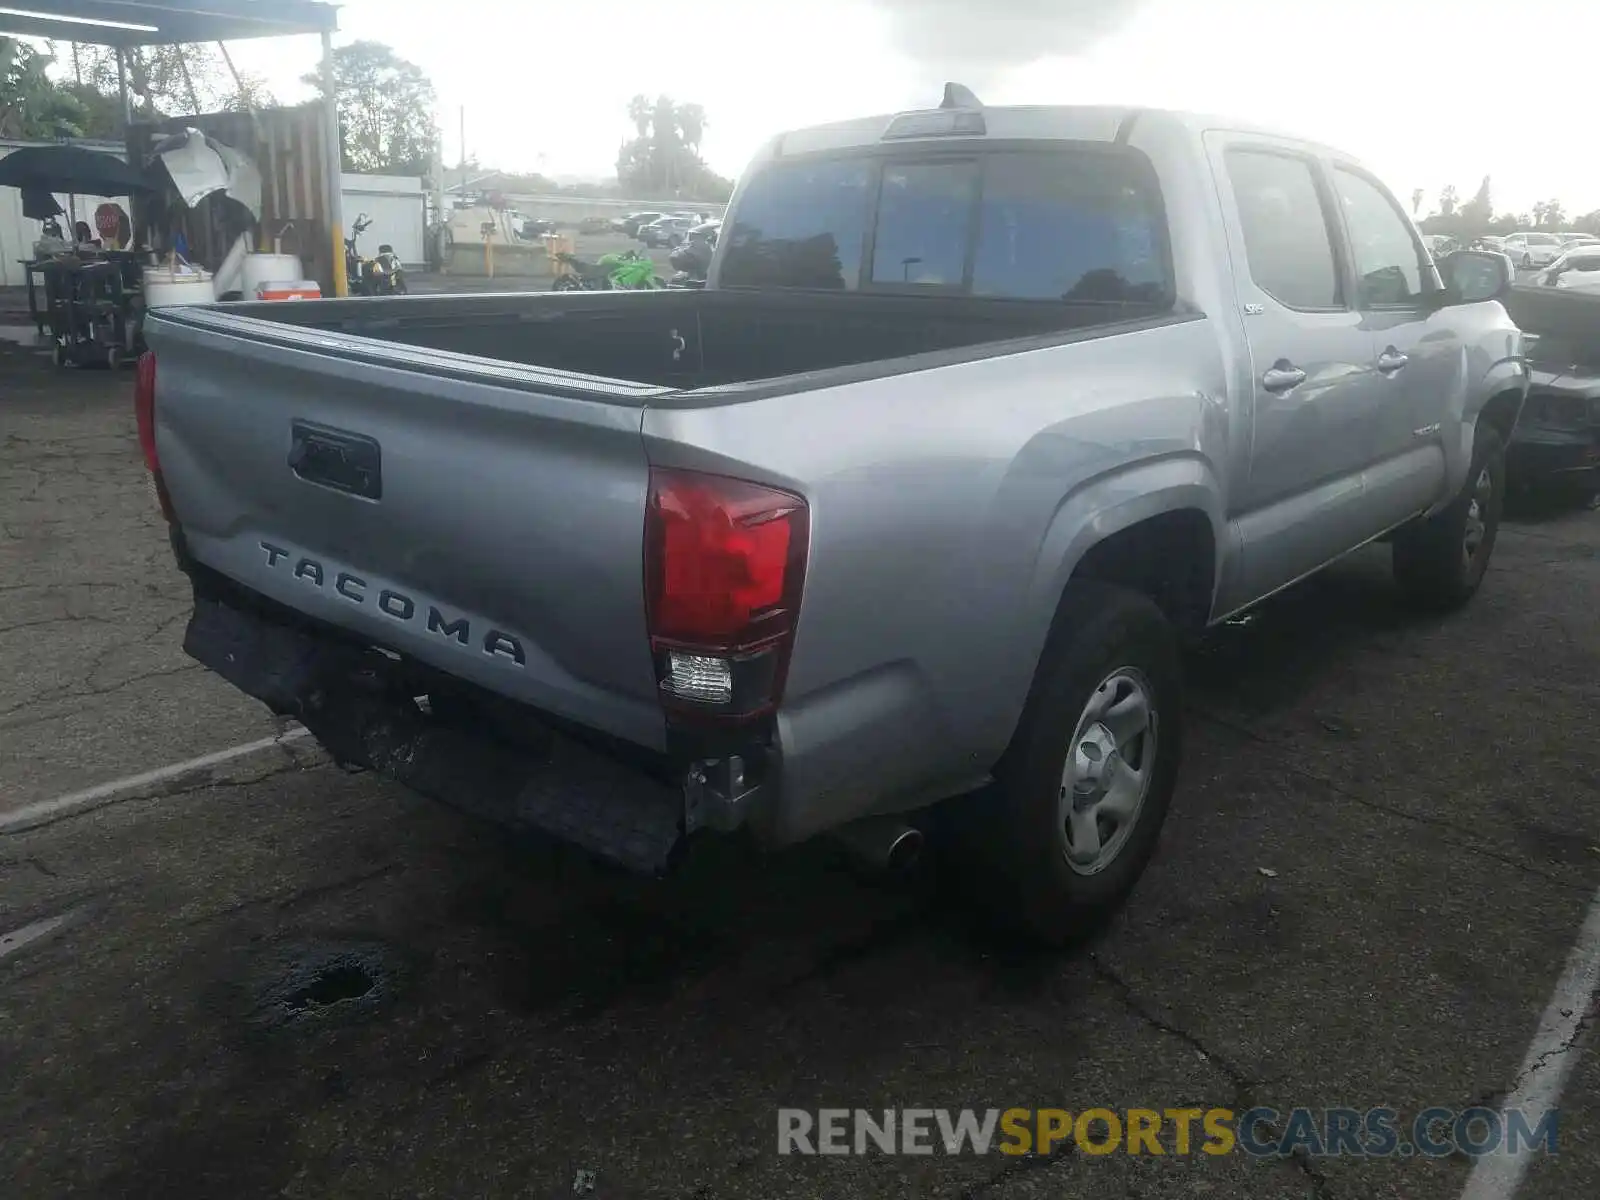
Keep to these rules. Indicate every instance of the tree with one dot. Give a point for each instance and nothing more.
(639, 114)
(692, 125)
(163, 81)
(385, 110)
(1448, 200)
(663, 158)
(1549, 214)
(1477, 212)
(31, 105)
(102, 114)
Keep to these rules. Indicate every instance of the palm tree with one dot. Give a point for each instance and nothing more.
(664, 142)
(692, 121)
(639, 114)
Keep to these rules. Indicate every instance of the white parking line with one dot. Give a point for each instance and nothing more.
(11, 942)
(1550, 1058)
(131, 784)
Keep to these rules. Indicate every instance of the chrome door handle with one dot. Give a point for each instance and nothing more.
(1282, 376)
(1392, 360)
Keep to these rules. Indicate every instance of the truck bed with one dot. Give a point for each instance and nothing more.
(683, 339)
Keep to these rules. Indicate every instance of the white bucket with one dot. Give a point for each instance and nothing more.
(165, 287)
(268, 268)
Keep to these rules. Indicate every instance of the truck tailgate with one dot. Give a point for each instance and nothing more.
(483, 523)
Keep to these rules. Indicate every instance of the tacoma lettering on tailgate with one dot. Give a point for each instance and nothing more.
(397, 605)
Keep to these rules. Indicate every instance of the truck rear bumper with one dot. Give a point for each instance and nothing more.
(364, 707)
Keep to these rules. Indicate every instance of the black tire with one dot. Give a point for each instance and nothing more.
(567, 283)
(1432, 561)
(1012, 833)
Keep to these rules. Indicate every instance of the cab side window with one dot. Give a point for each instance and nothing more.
(1286, 241)
(1387, 261)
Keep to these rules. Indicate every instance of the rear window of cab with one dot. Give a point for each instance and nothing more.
(1074, 225)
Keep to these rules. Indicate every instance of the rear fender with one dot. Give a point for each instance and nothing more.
(1504, 375)
(1111, 503)
(1098, 509)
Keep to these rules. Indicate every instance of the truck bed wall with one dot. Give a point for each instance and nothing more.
(687, 339)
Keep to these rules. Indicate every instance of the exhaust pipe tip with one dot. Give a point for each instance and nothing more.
(903, 851)
(883, 844)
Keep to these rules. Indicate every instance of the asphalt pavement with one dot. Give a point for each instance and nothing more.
(274, 978)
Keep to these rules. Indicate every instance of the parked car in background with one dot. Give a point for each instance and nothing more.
(1577, 269)
(631, 223)
(1488, 241)
(1556, 443)
(1578, 239)
(537, 227)
(595, 225)
(1440, 244)
(667, 231)
(1532, 249)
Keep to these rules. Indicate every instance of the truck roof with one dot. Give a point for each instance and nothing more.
(1087, 123)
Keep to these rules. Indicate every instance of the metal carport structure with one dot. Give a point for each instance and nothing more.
(126, 24)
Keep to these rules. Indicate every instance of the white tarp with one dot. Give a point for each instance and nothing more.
(200, 165)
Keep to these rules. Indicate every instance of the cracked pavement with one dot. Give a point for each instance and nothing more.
(1424, 791)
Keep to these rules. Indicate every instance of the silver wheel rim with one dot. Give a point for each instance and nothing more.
(1477, 530)
(1107, 775)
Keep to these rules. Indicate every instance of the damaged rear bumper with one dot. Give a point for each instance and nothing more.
(474, 752)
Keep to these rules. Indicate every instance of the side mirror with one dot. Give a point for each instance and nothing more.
(1473, 276)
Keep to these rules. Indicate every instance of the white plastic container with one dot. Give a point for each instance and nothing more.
(165, 287)
(268, 268)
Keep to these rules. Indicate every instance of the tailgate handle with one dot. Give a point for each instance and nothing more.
(337, 459)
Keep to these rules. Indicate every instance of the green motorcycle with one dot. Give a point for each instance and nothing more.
(626, 272)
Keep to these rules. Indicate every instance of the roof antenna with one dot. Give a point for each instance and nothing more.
(958, 96)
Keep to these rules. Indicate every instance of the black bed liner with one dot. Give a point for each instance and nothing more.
(643, 342)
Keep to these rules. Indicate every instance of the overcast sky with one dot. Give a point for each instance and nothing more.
(1429, 92)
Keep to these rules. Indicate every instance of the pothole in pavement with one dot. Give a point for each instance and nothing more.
(319, 983)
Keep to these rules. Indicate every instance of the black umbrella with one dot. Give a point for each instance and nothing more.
(70, 169)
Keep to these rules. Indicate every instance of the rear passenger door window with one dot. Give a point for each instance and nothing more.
(1071, 226)
(1287, 242)
(924, 222)
(1387, 259)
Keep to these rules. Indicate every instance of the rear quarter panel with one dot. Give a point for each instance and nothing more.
(948, 507)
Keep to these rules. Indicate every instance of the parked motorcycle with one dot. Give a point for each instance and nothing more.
(380, 276)
(692, 260)
(628, 271)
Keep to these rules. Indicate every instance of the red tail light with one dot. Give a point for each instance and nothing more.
(724, 563)
(144, 414)
(144, 409)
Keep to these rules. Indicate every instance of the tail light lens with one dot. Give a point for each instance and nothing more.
(144, 413)
(144, 409)
(724, 563)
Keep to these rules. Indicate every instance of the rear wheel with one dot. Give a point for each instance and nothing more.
(1079, 799)
(1440, 562)
(567, 283)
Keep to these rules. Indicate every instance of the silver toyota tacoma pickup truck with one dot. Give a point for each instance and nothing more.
(894, 526)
